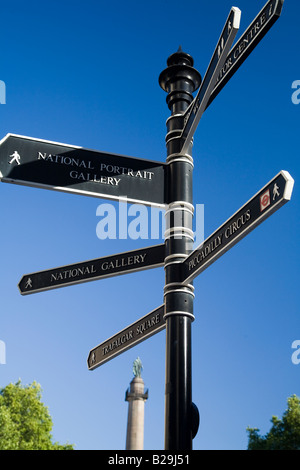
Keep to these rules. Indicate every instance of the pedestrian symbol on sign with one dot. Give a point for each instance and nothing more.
(15, 157)
(275, 191)
(28, 284)
(93, 359)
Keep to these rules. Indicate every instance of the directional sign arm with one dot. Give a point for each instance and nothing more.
(100, 268)
(248, 41)
(217, 61)
(127, 338)
(60, 167)
(268, 200)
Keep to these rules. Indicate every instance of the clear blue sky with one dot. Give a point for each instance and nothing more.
(86, 73)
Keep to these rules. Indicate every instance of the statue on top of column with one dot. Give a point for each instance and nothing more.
(137, 367)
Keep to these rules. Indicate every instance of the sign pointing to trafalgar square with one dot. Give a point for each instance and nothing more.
(248, 41)
(216, 64)
(127, 338)
(60, 167)
(100, 268)
(268, 200)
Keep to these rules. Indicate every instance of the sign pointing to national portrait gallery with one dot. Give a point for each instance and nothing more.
(60, 167)
(92, 270)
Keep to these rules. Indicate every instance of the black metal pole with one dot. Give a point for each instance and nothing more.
(179, 80)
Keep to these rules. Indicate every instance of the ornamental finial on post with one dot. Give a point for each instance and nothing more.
(179, 80)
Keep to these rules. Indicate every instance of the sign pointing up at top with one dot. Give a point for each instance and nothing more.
(247, 42)
(225, 61)
(216, 64)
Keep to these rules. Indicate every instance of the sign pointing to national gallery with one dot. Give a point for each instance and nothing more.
(127, 338)
(100, 268)
(60, 167)
(268, 200)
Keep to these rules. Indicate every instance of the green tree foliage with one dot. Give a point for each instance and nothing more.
(25, 422)
(284, 433)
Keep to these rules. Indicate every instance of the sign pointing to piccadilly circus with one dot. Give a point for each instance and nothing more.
(268, 200)
(100, 268)
(60, 167)
(127, 338)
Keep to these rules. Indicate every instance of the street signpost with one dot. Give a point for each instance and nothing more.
(95, 269)
(61, 167)
(216, 64)
(268, 200)
(134, 334)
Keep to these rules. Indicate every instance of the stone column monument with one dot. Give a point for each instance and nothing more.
(136, 398)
